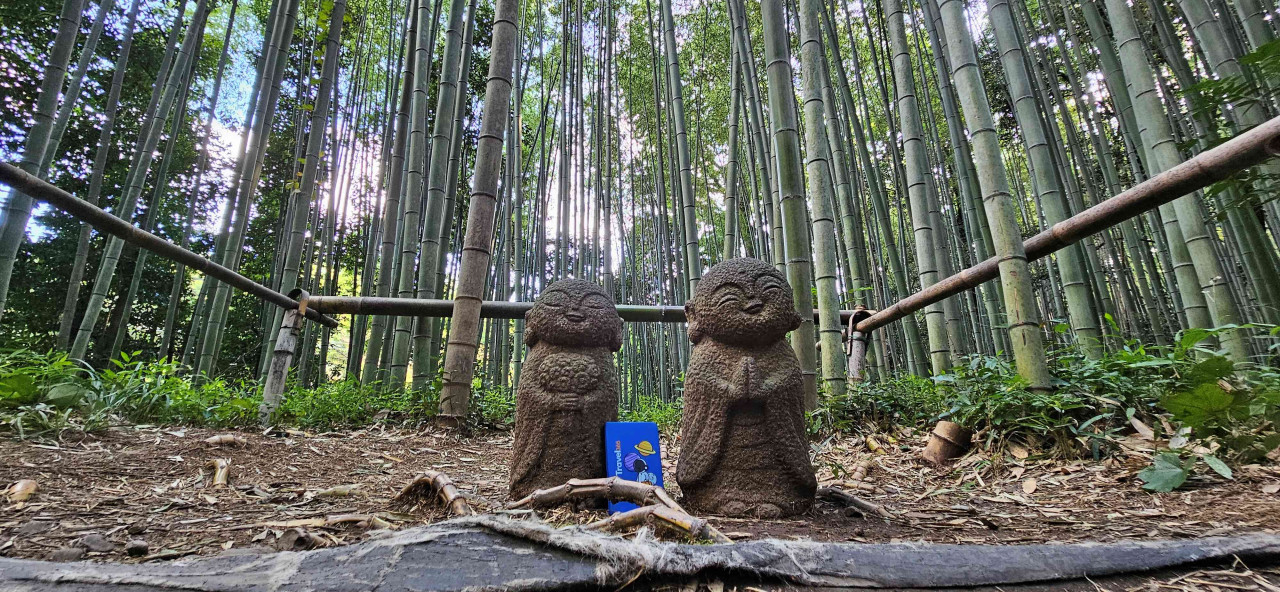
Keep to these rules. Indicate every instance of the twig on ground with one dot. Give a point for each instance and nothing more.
(434, 484)
(662, 515)
(840, 496)
(226, 440)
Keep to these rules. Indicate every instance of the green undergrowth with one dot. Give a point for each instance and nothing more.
(1201, 412)
(1186, 400)
(45, 394)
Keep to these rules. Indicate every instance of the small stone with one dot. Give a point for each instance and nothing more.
(97, 543)
(137, 528)
(137, 548)
(67, 554)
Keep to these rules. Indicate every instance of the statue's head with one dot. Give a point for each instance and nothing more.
(742, 301)
(574, 313)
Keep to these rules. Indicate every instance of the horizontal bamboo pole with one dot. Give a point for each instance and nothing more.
(98, 218)
(489, 309)
(1206, 168)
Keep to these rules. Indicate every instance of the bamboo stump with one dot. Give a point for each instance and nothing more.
(282, 358)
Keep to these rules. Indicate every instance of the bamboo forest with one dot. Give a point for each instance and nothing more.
(1033, 247)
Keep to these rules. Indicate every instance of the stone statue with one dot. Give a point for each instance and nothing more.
(743, 446)
(568, 387)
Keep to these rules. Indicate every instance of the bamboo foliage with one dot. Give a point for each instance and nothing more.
(632, 142)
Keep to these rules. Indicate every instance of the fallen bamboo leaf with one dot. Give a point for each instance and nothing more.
(297, 539)
(1019, 451)
(1144, 432)
(22, 490)
(226, 440)
(340, 490)
(221, 472)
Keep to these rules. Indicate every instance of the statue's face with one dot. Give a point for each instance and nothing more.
(743, 301)
(575, 312)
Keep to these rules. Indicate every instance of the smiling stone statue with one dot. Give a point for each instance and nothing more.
(744, 451)
(568, 387)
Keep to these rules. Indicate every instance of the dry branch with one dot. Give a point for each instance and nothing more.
(610, 488)
(434, 484)
(669, 518)
(226, 440)
(847, 499)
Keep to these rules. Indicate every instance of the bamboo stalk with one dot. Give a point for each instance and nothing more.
(1207, 168)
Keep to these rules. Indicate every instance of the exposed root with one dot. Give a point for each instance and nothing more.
(434, 484)
(654, 502)
(221, 468)
(370, 521)
(610, 488)
(844, 498)
(664, 516)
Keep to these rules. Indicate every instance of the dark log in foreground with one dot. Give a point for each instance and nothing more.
(106, 223)
(491, 552)
(1198, 172)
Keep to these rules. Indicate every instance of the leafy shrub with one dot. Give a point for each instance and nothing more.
(901, 400)
(345, 404)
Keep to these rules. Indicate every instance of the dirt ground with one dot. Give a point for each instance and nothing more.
(101, 491)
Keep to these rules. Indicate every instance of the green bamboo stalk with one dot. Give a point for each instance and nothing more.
(1157, 138)
(154, 119)
(460, 357)
(1024, 327)
(795, 213)
(817, 169)
(1048, 189)
(917, 169)
(17, 210)
(67, 320)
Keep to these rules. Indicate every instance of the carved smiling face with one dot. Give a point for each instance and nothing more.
(574, 313)
(742, 301)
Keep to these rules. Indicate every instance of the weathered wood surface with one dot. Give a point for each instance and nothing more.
(488, 552)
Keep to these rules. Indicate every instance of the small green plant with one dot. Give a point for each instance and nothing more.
(664, 413)
(492, 407)
(1169, 470)
(901, 400)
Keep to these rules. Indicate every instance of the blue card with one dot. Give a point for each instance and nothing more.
(632, 453)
